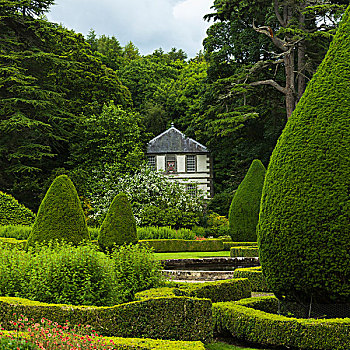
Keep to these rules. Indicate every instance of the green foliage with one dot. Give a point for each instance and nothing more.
(48, 77)
(14, 213)
(218, 291)
(135, 269)
(15, 231)
(245, 206)
(182, 245)
(303, 231)
(177, 318)
(77, 275)
(156, 199)
(60, 216)
(164, 232)
(119, 226)
(244, 320)
(255, 277)
(16, 343)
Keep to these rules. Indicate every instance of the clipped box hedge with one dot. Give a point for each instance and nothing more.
(225, 290)
(229, 245)
(183, 245)
(12, 243)
(255, 277)
(245, 320)
(176, 318)
(246, 252)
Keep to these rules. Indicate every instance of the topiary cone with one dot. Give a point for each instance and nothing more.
(304, 225)
(60, 216)
(14, 213)
(245, 205)
(119, 225)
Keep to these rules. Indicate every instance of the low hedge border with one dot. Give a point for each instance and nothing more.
(12, 243)
(176, 318)
(182, 245)
(225, 290)
(255, 277)
(246, 252)
(229, 245)
(131, 343)
(244, 320)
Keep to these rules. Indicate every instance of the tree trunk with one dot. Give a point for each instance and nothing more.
(289, 88)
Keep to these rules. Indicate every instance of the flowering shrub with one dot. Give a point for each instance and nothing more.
(153, 197)
(49, 335)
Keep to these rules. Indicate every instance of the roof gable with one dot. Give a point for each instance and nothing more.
(174, 141)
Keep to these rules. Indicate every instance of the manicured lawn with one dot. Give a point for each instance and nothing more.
(225, 346)
(190, 255)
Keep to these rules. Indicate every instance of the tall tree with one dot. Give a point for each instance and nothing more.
(299, 31)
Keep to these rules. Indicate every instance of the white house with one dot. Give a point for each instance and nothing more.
(182, 159)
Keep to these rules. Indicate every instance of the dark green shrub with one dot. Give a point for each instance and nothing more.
(229, 245)
(119, 226)
(304, 231)
(245, 206)
(60, 216)
(135, 269)
(14, 213)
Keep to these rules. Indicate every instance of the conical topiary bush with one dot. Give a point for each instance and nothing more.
(119, 226)
(14, 213)
(245, 205)
(304, 225)
(60, 216)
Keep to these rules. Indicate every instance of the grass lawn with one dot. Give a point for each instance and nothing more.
(190, 255)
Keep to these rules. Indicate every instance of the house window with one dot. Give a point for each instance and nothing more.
(191, 189)
(152, 162)
(191, 165)
(171, 164)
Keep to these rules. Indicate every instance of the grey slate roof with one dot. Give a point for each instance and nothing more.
(174, 141)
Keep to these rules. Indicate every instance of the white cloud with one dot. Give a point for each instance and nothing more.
(149, 24)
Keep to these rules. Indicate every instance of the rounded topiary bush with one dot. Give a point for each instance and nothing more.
(119, 226)
(60, 216)
(304, 225)
(245, 205)
(14, 213)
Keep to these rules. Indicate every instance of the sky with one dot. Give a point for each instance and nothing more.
(149, 24)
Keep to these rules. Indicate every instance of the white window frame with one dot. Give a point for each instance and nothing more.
(152, 162)
(191, 163)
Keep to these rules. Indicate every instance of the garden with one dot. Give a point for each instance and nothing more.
(80, 275)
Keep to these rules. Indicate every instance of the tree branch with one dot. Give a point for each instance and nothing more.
(278, 15)
(281, 44)
(271, 83)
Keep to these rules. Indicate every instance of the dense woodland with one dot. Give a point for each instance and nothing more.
(84, 106)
